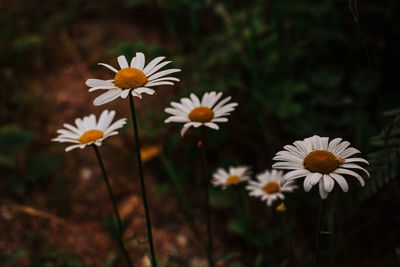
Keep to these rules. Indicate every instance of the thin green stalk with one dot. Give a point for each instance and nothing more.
(353, 6)
(318, 233)
(110, 193)
(288, 240)
(242, 209)
(206, 175)
(142, 184)
(245, 202)
(187, 209)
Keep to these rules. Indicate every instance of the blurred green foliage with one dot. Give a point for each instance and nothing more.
(23, 169)
(385, 158)
(56, 259)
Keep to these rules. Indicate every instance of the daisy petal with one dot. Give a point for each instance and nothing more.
(162, 73)
(156, 68)
(328, 183)
(296, 174)
(341, 181)
(151, 65)
(125, 93)
(123, 63)
(140, 61)
(322, 191)
(351, 173)
(109, 67)
(98, 83)
(354, 166)
(212, 125)
(348, 160)
(107, 97)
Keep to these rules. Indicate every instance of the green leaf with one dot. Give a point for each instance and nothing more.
(41, 165)
(259, 260)
(13, 256)
(220, 198)
(162, 189)
(13, 138)
(16, 182)
(111, 225)
(237, 227)
(228, 256)
(7, 161)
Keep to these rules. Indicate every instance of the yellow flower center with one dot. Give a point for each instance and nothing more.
(321, 161)
(130, 78)
(271, 188)
(90, 136)
(201, 114)
(234, 179)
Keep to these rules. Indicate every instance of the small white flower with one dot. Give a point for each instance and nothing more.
(320, 161)
(88, 132)
(134, 77)
(196, 113)
(234, 176)
(269, 186)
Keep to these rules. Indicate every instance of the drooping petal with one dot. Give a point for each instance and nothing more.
(109, 67)
(351, 173)
(328, 183)
(348, 160)
(354, 166)
(98, 83)
(296, 174)
(107, 97)
(322, 191)
(341, 181)
(212, 125)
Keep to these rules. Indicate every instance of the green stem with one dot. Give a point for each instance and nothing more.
(110, 193)
(142, 184)
(206, 175)
(245, 202)
(242, 211)
(318, 233)
(288, 240)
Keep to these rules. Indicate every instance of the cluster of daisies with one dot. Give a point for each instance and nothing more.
(315, 158)
(319, 160)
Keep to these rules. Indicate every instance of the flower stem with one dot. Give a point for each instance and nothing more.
(288, 240)
(110, 193)
(206, 175)
(142, 184)
(318, 233)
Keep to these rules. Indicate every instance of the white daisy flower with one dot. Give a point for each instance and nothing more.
(320, 161)
(269, 186)
(134, 77)
(88, 132)
(233, 176)
(196, 113)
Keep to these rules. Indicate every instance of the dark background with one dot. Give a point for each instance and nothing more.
(296, 68)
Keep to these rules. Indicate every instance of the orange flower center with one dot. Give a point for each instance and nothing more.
(201, 114)
(130, 78)
(271, 188)
(321, 161)
(281, 207)
(234, 179)
(90, 136)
